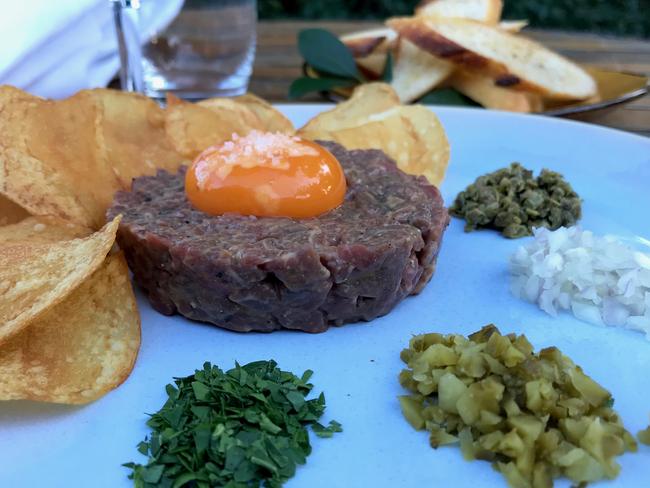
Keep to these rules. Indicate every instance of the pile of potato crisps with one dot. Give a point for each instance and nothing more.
(69, 324)
(373, 118)
(466, 46)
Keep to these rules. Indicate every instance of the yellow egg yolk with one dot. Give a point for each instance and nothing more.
(267, 175)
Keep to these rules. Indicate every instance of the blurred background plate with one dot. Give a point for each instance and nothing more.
(614, 88)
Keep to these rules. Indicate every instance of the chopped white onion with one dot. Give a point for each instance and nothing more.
(600, 279)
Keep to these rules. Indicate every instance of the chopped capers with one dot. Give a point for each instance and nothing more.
(513, 201)
(535, 416)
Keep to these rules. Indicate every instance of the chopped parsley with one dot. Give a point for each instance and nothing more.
(243, 428)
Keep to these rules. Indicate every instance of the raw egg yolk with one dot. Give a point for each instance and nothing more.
(267, 175)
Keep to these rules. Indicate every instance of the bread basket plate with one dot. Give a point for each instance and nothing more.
(615, 88)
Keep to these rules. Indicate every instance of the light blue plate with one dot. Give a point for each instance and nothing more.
(357, 365)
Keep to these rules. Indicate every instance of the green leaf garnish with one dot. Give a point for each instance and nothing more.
(322, 431)
(324, 52)
(304, 85)
(152, 474)
(243, 428)
(447, 96)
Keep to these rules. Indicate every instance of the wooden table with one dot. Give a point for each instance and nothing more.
(278, 63)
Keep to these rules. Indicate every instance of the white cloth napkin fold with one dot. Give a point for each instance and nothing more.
(55, 48)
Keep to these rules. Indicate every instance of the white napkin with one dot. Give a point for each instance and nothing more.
(55, 48)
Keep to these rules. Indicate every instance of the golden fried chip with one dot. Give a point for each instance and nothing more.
(11, 212)
(192, 128)
(234, 109)
(36, 276)
(430, 132)
(272, 119)
(37, 230)
(39, 188)
(131, 135)
(366, 100)
(10, 94)
(68, 157)
(63, 135)
(411, 135)
(79, 349)
(57, 140)
(13, 105)
(25, 185)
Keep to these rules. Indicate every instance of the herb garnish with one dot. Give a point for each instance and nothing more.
(447, 96)
(514, 202)
(332, 66)
(239, 429)
(332, 61)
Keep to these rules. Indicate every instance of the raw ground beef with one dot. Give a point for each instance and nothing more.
(243, 273)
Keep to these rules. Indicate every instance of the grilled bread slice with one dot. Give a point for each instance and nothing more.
(482, 90)
(416, 72)
(488, 11)
(364, 43)
(513, 26)
(512, 61)
(369, 48)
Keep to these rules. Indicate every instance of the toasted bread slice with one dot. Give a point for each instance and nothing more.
(416, 72)
(370, 48)
(488, 11)
(512, 61)
(372, 66)
(482, 90)
(513, 26)
(372, 41)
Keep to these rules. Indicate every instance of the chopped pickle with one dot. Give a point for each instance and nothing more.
(644, 436)
(439, 437)
(450, 388)
(412, 410)
(535, 416)
(467, 444)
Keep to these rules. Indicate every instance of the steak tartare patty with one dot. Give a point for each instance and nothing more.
(244, 273)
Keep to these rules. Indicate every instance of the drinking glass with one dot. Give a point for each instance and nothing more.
(193, 48)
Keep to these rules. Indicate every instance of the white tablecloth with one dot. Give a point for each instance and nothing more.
(53, 48)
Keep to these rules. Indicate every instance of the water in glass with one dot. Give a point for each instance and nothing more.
(207, 50)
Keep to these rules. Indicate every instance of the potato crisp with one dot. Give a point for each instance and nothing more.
(68, 157)
(272, 120)
(36, 276)
(373, 119)
(70, 327)
(79, 349)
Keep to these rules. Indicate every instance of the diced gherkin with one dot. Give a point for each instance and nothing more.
(537, 416)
